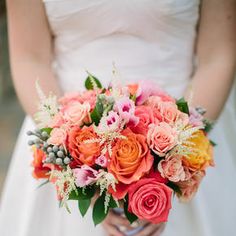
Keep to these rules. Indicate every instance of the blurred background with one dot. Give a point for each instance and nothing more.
(11, 114)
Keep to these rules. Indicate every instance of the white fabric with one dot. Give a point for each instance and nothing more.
(146, 39)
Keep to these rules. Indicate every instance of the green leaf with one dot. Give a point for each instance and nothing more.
(90, 80)
(87, 193)
(73, 195)
(96, 114)
(213, 143)
(48, 130)
(208, 125)
(84, 205)
(182, 105)
(112, 203)
(174, 187)
(99, 213)
(130, 216)
(44, 183)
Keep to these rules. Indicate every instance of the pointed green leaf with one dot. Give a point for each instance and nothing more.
(183, 105)
(174, 187)
(87, 193)
(130, 216)
(96, 114)
(89, 82)
(112, 203)
(84, 205)
(73, 195)
(99, 213)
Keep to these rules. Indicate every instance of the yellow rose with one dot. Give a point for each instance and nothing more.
(202, 152)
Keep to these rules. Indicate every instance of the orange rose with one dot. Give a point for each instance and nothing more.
(82, 152)
(40, 171)
(202, 152)
(131, 158)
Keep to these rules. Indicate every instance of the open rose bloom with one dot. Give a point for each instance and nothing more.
(135, 146)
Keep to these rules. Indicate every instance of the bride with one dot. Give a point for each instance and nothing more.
(175, 43)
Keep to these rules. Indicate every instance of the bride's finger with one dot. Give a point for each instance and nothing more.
(118, 220)
(111, 230)
(159, 230)
(150, 229)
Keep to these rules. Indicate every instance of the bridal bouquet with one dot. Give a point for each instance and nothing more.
(131, 147)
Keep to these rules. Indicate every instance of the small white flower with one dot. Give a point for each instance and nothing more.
(47, 108)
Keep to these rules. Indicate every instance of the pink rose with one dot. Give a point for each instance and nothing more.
(89, 96)
(172, 168)
(150, 200)
(145, 115)
(183, 119)
(57, 120)
(189, 187)
(110, 123)
(161, 138)
(126, 108)
(69, 98)
(77, 113)
(57, 136)
(164, 111)
(85, 176)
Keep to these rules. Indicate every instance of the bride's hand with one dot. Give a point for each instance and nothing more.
(111, 223)
(151, 229)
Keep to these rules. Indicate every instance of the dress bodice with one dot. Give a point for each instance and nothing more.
(145, 39)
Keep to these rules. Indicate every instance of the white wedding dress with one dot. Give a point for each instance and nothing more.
(146, 39)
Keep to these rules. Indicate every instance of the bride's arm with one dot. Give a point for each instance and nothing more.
(30, 50)
(216, 52)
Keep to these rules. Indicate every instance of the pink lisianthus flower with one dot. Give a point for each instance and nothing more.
(161, 138)
(101, 161)
(57, 136)
(195, 119)
(126, 108)
(172, 168)
(85, 176)
(77, 113)
(146, 90)
(110, 123)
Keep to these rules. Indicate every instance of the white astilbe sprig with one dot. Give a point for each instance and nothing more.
(184, 146)
(106, 180)
(105, 139)
(64, 182)
(47, 108)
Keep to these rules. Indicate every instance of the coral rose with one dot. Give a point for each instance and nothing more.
(172, 168)
(145, 115)
(82, 151)
(131, 158)
(161, 138)
(150, 200)
(40, 171)
(189, 188)
(202, 152)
